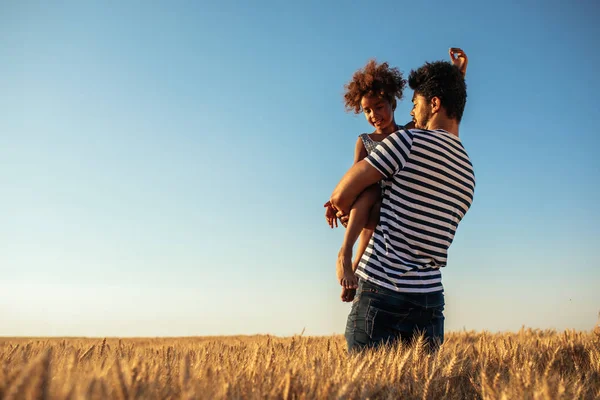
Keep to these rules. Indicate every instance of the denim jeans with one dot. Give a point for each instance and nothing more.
(380, 315)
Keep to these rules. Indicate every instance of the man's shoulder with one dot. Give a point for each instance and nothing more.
(401, 135)
(416, 131)
(404, 132)
(439, 136)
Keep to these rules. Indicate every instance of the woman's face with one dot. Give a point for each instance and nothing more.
(379, 113)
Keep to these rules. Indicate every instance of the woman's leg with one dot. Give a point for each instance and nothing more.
(367, 233)
(359, 218)
(363, 242)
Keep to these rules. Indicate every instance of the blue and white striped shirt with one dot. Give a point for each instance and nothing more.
(430, 186)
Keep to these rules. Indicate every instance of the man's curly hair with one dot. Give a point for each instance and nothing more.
(443, 80)
(374, 80)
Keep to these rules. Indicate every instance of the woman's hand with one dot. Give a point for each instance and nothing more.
(459, 59)
(343, 218)
(330, 215)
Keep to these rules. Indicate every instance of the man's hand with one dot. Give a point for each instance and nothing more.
(330, 215)
(459, 59)
(343, 218)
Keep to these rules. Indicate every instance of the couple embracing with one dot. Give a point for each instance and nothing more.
(409, 188)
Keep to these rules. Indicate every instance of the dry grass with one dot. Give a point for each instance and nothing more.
(524, 365)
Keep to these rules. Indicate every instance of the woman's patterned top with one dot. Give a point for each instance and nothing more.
(369, 143)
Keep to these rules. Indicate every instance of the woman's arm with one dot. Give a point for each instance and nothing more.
(359, 151)
(330, 213)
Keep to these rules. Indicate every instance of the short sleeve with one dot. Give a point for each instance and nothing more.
(391, 155)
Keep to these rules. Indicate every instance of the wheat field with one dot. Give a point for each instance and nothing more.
(529, 364)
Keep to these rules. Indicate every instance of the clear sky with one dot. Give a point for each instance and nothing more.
(163, 167)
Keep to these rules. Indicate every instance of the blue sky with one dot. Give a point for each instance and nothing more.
(164, 166)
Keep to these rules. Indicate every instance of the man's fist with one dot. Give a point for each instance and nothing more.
(459, 59)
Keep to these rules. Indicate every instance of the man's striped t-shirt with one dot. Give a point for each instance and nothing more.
(429, 188)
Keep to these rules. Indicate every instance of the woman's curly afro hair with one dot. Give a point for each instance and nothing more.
(374, 80)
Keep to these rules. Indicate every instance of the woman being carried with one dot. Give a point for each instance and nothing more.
(374, 90)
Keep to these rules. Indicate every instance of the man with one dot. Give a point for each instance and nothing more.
(429, 188)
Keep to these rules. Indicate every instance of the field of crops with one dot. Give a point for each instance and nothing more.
(470, 365)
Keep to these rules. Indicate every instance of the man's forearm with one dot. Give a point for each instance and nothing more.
(357, 179)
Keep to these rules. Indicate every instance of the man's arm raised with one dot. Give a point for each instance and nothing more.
(358, 178)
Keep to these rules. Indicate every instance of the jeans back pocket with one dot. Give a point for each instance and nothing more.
(382, 324)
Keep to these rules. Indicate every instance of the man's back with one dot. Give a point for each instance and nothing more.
(429, 188)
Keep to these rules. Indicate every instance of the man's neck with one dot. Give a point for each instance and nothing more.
(449, 125)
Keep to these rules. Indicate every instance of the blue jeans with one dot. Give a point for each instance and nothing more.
(380, 315)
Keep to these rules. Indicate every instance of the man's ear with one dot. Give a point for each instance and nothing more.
(394, 104)
(435, 104)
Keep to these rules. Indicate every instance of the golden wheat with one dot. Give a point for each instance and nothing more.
(529, 364)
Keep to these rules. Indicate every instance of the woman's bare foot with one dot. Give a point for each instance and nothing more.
(349, 281)
(342, 261)
(344, 271)
(347, 295)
